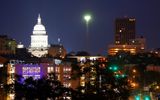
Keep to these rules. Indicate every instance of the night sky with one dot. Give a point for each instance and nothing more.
(64, 19)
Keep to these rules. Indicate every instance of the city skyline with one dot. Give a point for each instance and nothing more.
(64, 19)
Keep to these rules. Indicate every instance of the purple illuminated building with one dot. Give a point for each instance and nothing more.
(36, 71)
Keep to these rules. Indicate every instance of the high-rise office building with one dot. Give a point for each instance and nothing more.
(125, 30)
(125, 37)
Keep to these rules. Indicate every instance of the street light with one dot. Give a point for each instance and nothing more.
(87, 19)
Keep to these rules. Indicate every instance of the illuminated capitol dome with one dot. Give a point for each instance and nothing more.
(39, 28)
(39, 40)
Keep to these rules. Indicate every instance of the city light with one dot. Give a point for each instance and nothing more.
(134, 71)
(123, 75)
(146, 97)
(87, 18)
(137, 97)
(99, 53)
(113, 68)
(1, 65)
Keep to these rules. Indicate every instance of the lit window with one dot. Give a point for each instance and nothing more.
(117, 42)
(82, 83)
(56, 69)
(50, 70)
(82, 91)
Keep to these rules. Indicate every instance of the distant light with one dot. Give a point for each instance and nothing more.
(157, 87)
(115, 68)
(137, 97)
(1, 65)
(117, 76)
(57, 61)
(147, 97)
(123, 76)
(132, 19)
(20, 45)
(87, 18)
(134, 71)
(110, 68)
(12, 96)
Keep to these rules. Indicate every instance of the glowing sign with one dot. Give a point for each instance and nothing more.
(31, 72)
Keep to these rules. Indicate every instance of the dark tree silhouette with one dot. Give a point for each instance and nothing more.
(41, 89)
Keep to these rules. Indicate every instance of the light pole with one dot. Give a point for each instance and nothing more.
(87, 19)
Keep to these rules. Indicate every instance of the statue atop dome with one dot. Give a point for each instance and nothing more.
(39, 19)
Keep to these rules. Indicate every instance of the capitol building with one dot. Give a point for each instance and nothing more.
(39, 40)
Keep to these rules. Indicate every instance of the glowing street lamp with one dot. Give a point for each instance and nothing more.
(87, 19)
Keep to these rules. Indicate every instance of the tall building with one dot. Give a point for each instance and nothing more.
(125, 37)
(125, 30)
(39, 40)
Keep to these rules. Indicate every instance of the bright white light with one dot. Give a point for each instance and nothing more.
(87, 18)
(57, 61)
(20, 45)
(12, 95)
(1, 65)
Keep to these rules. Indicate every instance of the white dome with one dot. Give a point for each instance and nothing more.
(39, 27)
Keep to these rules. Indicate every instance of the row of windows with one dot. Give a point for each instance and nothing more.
(67, 69)
(51, 69)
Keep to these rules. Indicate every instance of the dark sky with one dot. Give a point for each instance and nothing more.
(64, 19)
